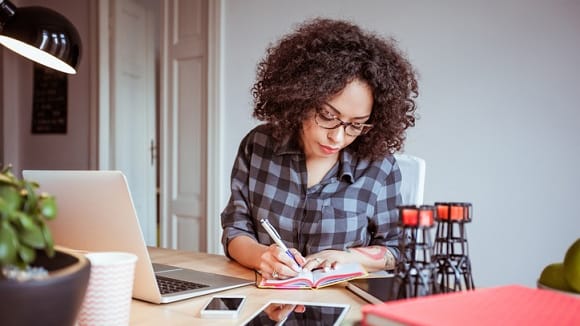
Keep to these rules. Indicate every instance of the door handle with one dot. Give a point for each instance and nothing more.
(153, 151)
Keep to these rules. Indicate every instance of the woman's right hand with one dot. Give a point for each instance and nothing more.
(277, 264)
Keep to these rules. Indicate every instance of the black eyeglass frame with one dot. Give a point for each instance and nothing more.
(365, 127)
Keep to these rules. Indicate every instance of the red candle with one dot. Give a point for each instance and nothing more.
(426, 216)
(409, 215)
(467, 211)
(442, 211)
(457, 212)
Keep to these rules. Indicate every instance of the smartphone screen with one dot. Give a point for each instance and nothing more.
(224, 303)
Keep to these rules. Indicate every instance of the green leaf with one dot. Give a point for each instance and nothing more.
(5, 179)
(49, 249)
(26, 221)
(26, 254)
(8, 179)
(48, 207)
(17, 217)
(8, 244)
(32, 237)
(31, 198)
(4, 211)
(11, 198)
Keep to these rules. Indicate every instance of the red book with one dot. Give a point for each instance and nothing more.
(506, 305)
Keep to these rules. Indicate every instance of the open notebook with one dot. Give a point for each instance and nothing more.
(96, 213)
(317, 278)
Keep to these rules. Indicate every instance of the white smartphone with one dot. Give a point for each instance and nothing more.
(223, 307)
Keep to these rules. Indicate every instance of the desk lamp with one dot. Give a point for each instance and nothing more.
(41, 35)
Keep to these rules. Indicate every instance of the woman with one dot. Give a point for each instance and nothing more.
(336, 101)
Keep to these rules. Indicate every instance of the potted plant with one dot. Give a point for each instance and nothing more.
(39, 283)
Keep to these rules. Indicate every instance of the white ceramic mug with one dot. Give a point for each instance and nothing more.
(108, 297)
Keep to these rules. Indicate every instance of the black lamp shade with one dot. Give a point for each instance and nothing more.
(36, 31)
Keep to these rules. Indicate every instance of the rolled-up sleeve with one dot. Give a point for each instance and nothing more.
(235, 217)
(386, 217)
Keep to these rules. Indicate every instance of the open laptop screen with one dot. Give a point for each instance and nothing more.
(95, 212)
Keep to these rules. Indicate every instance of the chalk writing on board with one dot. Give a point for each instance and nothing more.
(49, 107)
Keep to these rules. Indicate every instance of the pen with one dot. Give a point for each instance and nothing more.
(276, 237)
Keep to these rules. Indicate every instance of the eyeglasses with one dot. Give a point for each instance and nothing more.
(327, 120)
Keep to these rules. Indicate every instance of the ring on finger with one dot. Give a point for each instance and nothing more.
(275, 274)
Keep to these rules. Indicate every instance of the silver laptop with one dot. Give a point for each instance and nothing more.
(96, 213)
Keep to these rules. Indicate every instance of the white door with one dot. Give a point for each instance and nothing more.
(132, 81)
(184, 124)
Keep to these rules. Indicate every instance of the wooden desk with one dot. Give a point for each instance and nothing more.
(186, 312)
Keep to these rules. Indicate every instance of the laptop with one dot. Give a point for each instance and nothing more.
(96, 213)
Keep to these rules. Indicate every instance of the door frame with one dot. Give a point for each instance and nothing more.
(101, 139)
(215, 146)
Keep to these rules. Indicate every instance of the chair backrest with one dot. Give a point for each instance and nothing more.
(412, 178)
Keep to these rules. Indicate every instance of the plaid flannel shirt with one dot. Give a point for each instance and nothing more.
(354, 205)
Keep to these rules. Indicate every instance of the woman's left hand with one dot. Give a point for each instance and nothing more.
(326, 259)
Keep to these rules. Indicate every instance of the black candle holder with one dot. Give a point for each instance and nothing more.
(414, 273)
(451, 252)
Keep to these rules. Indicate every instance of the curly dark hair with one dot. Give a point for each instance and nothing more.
(315, 62)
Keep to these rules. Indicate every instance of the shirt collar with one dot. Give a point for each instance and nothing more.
(347, 163)
(346, 158)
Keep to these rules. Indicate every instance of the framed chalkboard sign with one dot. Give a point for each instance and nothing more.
(49, 107)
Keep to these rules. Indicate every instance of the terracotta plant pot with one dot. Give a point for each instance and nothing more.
(55, 300)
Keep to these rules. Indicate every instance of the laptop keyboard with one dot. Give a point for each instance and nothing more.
(170, 285)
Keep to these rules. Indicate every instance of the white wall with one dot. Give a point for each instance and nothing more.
(499, 127)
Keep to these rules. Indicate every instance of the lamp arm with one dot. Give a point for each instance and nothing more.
(7, 10)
